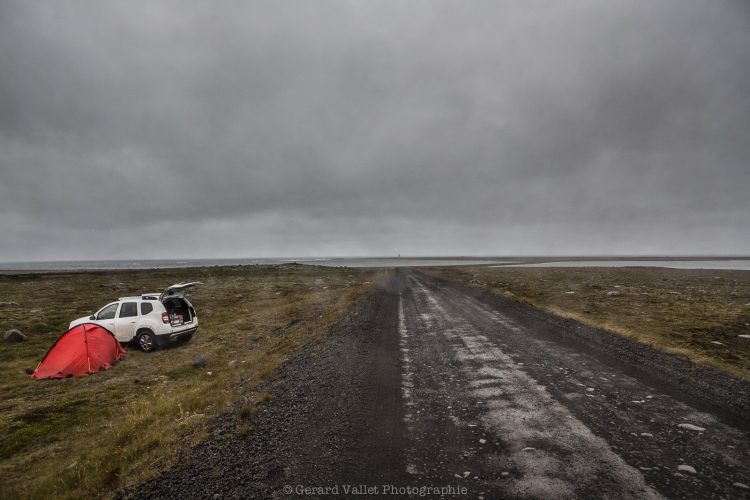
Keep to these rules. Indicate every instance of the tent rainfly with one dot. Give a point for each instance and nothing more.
(82, 350)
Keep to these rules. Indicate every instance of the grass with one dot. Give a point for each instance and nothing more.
(245, 430)
(87, 437)
(246, 411)
(266, 398)
(696, 313)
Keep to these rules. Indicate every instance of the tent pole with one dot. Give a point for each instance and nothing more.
(86, 341)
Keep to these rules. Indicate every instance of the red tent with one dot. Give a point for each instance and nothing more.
(84, 349)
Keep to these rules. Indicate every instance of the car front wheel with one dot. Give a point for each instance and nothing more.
(146, 341)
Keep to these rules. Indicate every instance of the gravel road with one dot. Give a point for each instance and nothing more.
(433, 388)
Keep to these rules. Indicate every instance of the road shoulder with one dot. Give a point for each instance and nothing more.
(337, 420)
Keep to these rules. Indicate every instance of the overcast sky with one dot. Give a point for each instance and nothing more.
(268, 129)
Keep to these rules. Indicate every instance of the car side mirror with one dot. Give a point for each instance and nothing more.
(92, 317)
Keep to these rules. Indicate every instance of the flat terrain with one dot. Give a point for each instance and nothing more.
(434, 384)
(89, 436)
(694, 313)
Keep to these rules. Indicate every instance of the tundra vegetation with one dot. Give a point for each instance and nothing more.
(88, 437)
(695, 313)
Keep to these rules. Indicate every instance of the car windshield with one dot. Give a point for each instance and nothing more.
(108, 312)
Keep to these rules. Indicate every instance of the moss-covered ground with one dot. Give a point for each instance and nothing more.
(87, 437)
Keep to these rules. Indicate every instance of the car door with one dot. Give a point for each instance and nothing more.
(106, 316)
(177, 291)
(127, 320)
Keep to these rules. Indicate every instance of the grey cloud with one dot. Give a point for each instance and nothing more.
(589, 122)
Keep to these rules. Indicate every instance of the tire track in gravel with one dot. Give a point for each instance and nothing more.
(540, 449)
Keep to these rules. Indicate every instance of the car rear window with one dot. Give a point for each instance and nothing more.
(146, 308)
(128, 310)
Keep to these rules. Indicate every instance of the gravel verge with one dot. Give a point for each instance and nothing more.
(325, 421)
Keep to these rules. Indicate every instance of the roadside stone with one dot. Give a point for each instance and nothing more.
(686, 468)
(29, 371)
(646, 434)
(508, 294)
(199, 361)
(9, 304)
(14, 335)
(691, 427)
(613, 293)
(231, 363)
(207, 311)
(744, 337)
(72, 466)
(741, 485)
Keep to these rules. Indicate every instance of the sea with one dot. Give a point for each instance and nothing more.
(733, 264)
(96, 265)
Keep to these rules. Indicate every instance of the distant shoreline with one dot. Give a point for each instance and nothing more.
(743, 262)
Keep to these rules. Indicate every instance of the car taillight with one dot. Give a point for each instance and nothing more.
(165, 318)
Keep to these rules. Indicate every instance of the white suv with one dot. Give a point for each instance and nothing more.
(151, 319)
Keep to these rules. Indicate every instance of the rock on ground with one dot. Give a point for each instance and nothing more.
(686, 468)
(14, 335)
(199, 361)
(691, 427)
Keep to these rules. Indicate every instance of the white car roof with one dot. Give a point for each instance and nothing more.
(177, 290)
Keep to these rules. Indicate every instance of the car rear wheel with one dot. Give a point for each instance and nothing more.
(146, 341)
